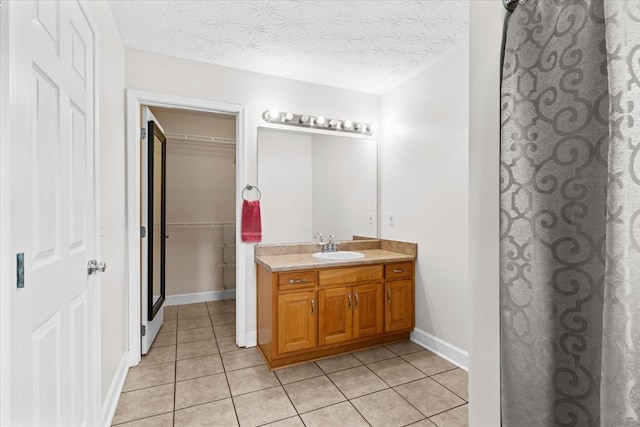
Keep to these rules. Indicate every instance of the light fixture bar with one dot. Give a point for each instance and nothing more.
(317, 122)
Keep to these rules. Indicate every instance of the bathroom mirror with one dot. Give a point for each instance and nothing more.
(316, 182)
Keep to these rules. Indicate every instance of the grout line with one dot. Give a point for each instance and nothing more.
(347, 399)
(143, 418)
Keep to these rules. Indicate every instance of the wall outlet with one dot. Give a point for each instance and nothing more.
(371, 218)
(391, 218)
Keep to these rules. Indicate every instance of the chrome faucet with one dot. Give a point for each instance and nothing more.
(330, 246)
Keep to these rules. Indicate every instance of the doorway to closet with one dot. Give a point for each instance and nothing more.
(199, 228)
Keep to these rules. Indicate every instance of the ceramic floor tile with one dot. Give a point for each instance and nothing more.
(148, 376)
(342, 414)
(458, 417)
(159, 355)
(201, 390)
(164, 339)
(223, 308)
(395, 371)
(226, 344)
(164, 420)
(137, 404)
(423, 423)
(243, 358)
(194, 323)
(428, 362)
(190, 307)
(264, 406)
(386, 408)
(313, 393)
(169, 308)
(169, 325)
(404, 347)
(198, 367)
(223, 319)
(196, 349)
(374, 355)
(251, 379)
(191, 335)
(356, 382)
(219, 413)
(191, 313)
(338, 363)
(298, 373)
(228, 330)
(456, 380)
(428, 396)
(170, 316)
(287, 422)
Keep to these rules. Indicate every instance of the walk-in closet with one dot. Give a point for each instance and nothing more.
(200, 205)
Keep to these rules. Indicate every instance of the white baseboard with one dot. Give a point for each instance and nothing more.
(199, 297)
(113, 395)
(442, 348)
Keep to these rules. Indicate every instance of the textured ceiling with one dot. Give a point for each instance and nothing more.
(369, 46)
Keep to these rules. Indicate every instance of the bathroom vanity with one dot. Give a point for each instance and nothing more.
(310, 308)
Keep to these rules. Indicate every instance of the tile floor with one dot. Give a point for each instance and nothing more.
(194, 375)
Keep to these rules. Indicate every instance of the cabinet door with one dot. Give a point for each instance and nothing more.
(398, 307)
(367, 314)
(296, 321)
(335, 324)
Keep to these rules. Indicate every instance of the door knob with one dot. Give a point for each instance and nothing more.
(94, 266)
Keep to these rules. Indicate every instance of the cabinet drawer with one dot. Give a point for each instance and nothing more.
(398, 270)
(296, 279)
(341, 276)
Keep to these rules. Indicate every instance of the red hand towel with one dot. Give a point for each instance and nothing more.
(251, 221)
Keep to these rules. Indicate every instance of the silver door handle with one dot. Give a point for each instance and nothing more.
(313, 306)
(94, 266)
(349, 301)
(356, 300)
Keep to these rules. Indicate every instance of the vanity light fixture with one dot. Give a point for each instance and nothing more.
(317, 122)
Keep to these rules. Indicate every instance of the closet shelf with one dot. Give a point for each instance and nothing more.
(182, 138)
(177, 225)
(226, 245)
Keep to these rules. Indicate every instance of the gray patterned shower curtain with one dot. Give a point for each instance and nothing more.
(570, 214)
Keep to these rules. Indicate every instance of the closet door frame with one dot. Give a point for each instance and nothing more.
(136, 99)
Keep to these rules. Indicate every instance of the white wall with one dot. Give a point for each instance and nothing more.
(163, 74)
(424, 182)
(201, 187)
(486, 19)
(345, 186)
(111, 139)
(284, 173)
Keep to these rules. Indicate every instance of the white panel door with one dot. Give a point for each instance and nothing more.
(54, 328)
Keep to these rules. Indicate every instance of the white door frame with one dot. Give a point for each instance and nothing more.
(135, 99)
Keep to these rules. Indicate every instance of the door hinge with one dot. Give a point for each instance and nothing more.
(20, 270)
(143, 133)
(143, 232)
(143, 330)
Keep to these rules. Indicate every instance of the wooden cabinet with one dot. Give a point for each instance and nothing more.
(349, 312)
(399, 297)
(308, 314)
(297, 321)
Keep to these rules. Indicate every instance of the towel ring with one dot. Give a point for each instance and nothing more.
(251, 187)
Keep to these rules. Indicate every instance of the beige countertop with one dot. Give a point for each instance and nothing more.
(303, 261)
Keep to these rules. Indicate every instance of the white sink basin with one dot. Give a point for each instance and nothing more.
(340, 255)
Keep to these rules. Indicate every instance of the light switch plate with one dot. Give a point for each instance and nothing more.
(391, 217)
